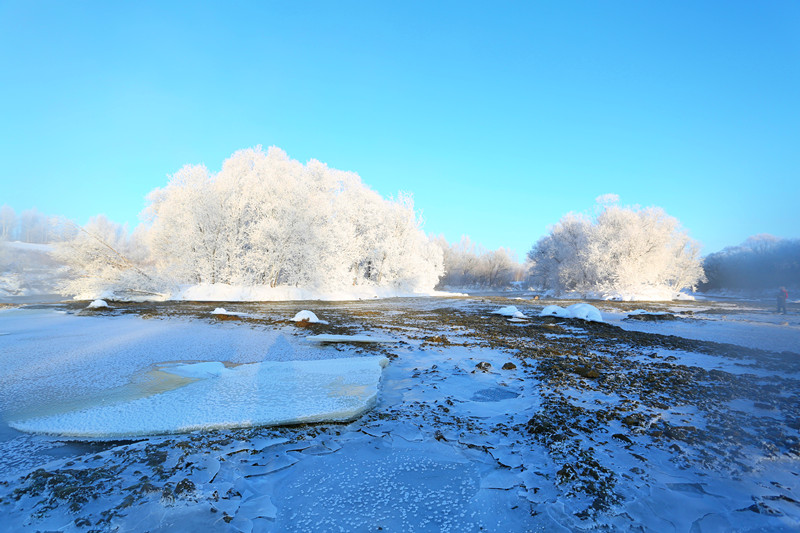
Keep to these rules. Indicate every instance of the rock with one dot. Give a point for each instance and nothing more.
(484, 366)
(623, 438)
(437, 339)
(509, 366)
(587, 372)
(651, 317)
(633, 420)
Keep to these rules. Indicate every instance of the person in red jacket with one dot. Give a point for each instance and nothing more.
(783, 294)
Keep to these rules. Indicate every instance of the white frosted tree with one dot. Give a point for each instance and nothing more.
(623, 250)
(8, 223)
(105, 257)
(559, 260)
(266, 219)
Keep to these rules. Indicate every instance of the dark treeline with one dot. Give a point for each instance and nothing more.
(761, 262)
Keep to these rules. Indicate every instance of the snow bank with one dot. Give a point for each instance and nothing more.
(583, 311)
(641, 294)
(509, 311)
(30, 246)
(236, 293)
(256, 394)
(636, 294)
(308, 316)
(98, 304)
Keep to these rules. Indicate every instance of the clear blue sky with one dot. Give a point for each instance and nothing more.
(500, 117)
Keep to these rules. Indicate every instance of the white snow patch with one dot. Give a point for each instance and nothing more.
(509, 311)
(583, 311)
(256, 394)
(308, 316)
(98, 304)
(225, 312)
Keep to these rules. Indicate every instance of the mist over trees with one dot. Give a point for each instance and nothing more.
(263, 220)
(760, 262)
(34, 227)
(469, 265)
(622, 250)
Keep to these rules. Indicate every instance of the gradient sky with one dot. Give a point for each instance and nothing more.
(500, 117)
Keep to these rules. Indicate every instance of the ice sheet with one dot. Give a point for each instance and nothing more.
(256, 394)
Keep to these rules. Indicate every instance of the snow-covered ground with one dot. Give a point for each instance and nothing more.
(550, 424)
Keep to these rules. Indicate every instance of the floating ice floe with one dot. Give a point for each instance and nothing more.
(255, 394)
(586, 312)
(509, 311)
(350, 338)
(98, 304)
(308, 316)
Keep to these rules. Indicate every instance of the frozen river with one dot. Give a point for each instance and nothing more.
(565, 424)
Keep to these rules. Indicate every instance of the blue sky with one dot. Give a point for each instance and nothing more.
(499, 117)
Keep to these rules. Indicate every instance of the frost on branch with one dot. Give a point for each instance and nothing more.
(622, 251)
(104, 258)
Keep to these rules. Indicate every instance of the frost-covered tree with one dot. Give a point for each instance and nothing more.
(8, 223)
(266, 219)
(621, 250)
(33, 227)
(102, 257)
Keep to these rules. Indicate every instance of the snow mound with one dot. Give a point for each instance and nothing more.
(509, 311)
(350, 338)
(221, 311)
(583, 311)
(256, 394)
(308, 316)
(98, 304)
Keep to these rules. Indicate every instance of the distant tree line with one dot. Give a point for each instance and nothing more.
(470, 266)
(34, 227)
(761, 262)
